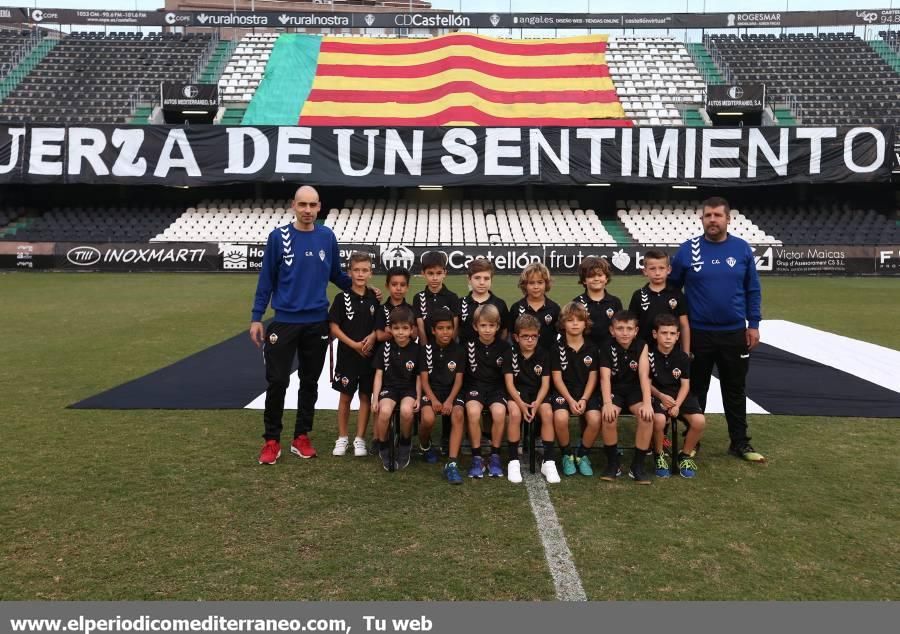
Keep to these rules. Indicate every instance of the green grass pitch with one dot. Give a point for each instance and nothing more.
(114, 505)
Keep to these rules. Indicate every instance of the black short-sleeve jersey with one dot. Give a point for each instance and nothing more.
(383, 313)
(425, 303)
(623, 362)
(527, 371)
(647, 304)
(601, 313)
(467, 308)
(547, 316)
(400, 365)
(354, 314)
(576, 365)
(441, 364)
(484, 364)
(668, 370)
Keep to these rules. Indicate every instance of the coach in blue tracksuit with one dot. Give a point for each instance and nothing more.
(718, 273)
(299, 261)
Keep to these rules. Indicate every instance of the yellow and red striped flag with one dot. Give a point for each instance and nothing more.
(463, 79)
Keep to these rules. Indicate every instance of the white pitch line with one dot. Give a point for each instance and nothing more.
(556, 550)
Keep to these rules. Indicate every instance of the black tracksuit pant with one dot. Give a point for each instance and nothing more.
(728, 352)
(309, 343)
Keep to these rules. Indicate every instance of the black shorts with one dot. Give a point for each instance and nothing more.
(396, 395)
(485, 398)
(441, 393)
(690, 406)
(350, 378)
(625, 397)
(558, 402)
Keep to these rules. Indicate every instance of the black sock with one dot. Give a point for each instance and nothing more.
(513, 450)
(566, 450)
(612, 453)
(376, 444)
(639, 455)
(583, 451)
(548, 450)
(405, 442)
(495, 450)
(476, 451)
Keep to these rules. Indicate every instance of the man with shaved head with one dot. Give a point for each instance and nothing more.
(299, 261)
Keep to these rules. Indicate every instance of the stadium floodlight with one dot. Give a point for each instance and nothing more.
(730, 114)
(684, 186)
(436, 188)
(599, 185)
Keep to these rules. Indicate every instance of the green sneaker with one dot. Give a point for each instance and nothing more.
(568, 465)
(584, 466)
(746, 451)
(687, 467)
(662, 466)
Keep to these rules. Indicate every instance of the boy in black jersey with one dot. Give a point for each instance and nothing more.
(483, 387)
(481, 274)
(594, 274)
(535, 283)
(625, 384)
(657, 297)
(397, 383)
(352, 317)
(526, 367)
(435, 296)
(397, 284)
(442, 365)
(670, 375)
(574, 366)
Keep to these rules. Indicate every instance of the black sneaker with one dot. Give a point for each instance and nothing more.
(637, 474)
(746, 452)
(611, 472)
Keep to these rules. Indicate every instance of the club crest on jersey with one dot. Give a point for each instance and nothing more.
(322, 254)
(410, 366)
(538, 370)
(588, 360)
(548, 318)
(273, 338)
(731, 262)
(451, 365)
(609, 313)
(676, 372)
(633, 365)
(673, 303)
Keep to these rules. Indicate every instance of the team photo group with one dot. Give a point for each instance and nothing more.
(491, 368)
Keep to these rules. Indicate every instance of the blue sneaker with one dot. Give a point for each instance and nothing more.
(430, 455)
(495, 467)
(568, 465)
(477, 468)
(662, 466)
(687, 467)
(451, 472)
(584, 466)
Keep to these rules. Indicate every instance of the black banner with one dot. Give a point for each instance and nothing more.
(736, 97)
(887, 260)
(125, 256)
(447, 20)
(181, 96)
(404, 157)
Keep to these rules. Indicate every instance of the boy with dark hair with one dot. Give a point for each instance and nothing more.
(595, 274)
(481, 274)
(658, 297)
(574, 370)
(352, 318)
(397, 383)
(535, 283)
(526, 367)
(397, 284)
(670, 376)
(483, 387)
(625, 384)
(435, 296)
(442, 365)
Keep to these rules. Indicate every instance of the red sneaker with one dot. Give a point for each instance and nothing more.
(270, 453)
(302, 447)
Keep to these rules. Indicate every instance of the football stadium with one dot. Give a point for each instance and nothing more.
(151, 164)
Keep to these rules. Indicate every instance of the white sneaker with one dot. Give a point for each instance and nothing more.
(340, 446)
(359, 447)
(548, 468)
(514, 471)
